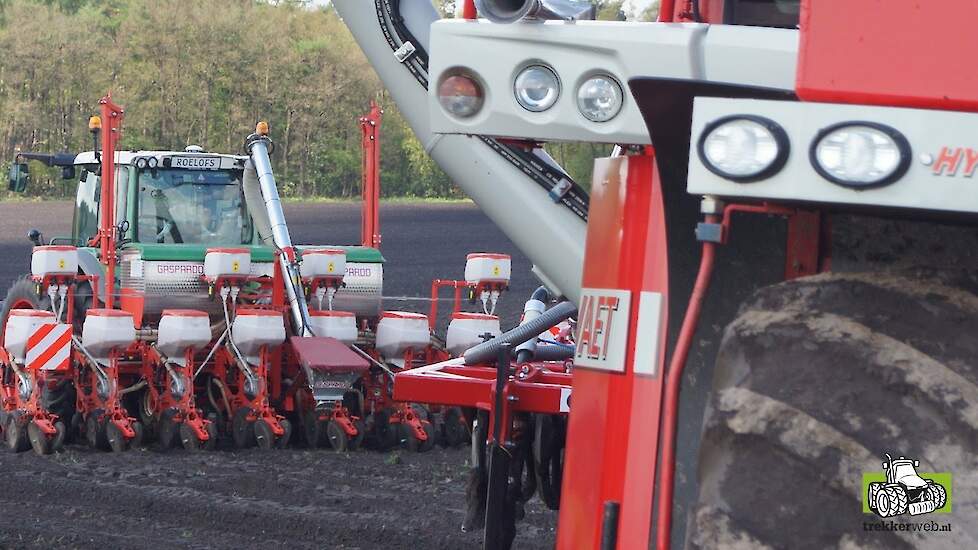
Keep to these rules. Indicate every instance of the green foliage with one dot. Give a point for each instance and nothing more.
(610, 10)
(651, 13)
(204, 73)
(201, 73)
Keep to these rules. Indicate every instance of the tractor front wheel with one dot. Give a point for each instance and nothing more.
(818, 378)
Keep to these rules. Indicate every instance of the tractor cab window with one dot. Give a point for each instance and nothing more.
(192, 206)
(85, 223)
(762, 13)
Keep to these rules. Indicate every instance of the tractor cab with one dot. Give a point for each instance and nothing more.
(168, 197)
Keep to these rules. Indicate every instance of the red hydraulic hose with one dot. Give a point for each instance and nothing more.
(670, 412)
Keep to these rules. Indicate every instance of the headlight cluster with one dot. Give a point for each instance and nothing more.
(536, 88)
(746, 148)
(143, 163)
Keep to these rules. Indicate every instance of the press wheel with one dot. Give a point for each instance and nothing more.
(264, 436)
(337, 437)
(189, 439)
(114, 436)
(16, 433)
(168, 430)
(212, 437)
(314, 430)
(95, 432)
(39, 440)
(357, 440)
(428, 444)
(283, 440)
(242, 431)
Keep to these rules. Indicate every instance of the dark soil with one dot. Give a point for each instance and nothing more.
(288, 499)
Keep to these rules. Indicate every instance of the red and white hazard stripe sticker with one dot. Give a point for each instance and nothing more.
(49, 348)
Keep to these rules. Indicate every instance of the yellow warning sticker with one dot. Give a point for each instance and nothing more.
(235, 266)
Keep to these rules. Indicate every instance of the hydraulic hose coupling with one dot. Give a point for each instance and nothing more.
(534, 308)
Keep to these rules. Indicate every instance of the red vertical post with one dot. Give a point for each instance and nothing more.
(112, 116)
(613, 435)
(370, 219)
(469, 11)
(666, 9)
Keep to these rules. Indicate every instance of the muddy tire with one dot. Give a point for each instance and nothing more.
(15, 433)
(815, 380)
(22, 294)
(243, 431)
(337, 437)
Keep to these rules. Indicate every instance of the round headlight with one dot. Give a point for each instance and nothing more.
(141, 163)
(152, 162)
(744, 148)
(537, 88)
(600, 98)
(461, 95)
(860, 154)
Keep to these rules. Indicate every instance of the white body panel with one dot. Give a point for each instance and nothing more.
(103, 333)
(578, 50)
(21, 323)
(54, 260)
(227, 263)
(466, 330)
(178, 332)
(488, 268)
(250, 331)
(341, 325)
(323, 262)
(403, 330)
(927, 131)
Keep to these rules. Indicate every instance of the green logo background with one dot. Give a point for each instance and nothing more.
(944, 478)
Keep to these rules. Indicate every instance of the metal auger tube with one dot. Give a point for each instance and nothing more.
(258, 148)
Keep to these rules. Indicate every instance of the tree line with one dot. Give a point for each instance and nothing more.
(203, 73)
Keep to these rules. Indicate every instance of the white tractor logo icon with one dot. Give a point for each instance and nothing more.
(904, 490)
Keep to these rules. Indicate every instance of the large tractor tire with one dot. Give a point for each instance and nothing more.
(815, 380)
(22, 294)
